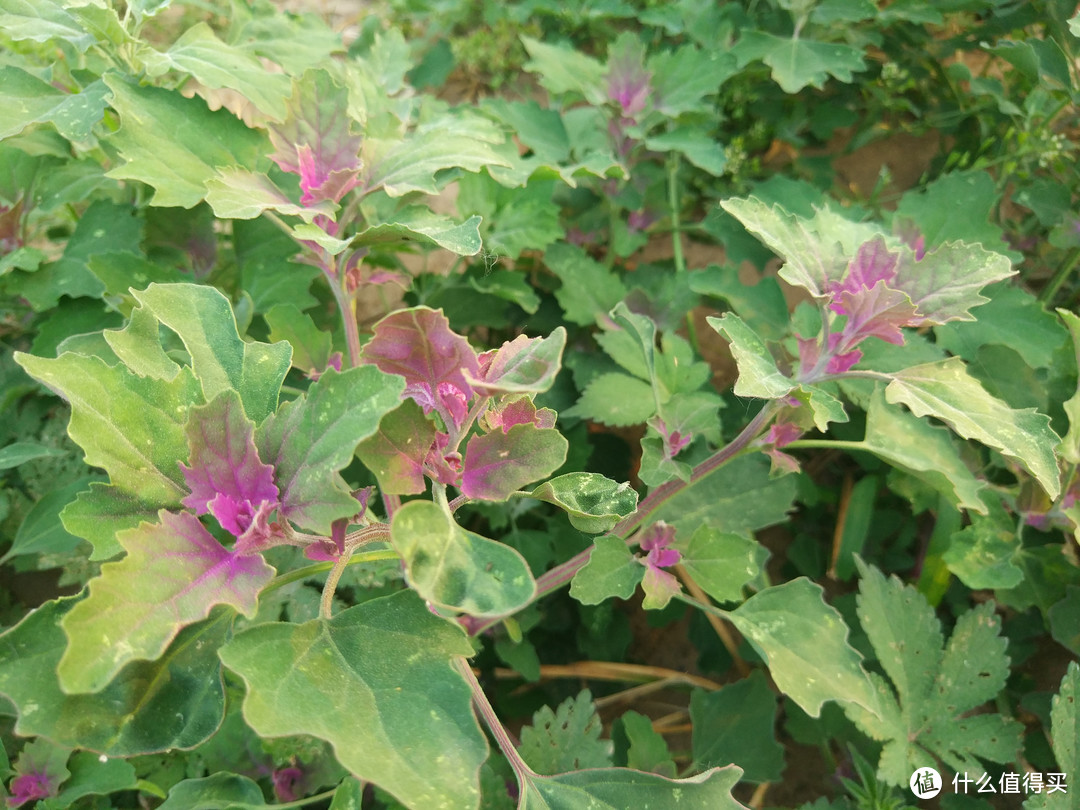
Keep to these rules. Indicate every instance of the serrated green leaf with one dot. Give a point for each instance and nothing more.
(797, 62)
(522, 365)
(619, 788)
(238, 193)
(615, 399)
(457, 569)
(409, 727)
(200, 54)
(418, 224)
(804, 641)
(132, 427)
(27, 100)
(308, 440)
(567, 739)
(946, 391)
(593, 503)
(935, 688)
(981, 555)
(40, 21)
(174, 573)
(176, 144)
(1070, 444)
(565, 70)
(761, 306)
(589, 290)
(720, 562)
(734, 725)
(758, 374)
(612, 570)
(1065, 737)
(176, 701)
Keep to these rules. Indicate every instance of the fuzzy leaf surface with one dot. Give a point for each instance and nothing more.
(238, 193)
(173, 575)
(175, 144)
(498, 464)
(308, 440)
(944, 284)
(175, 701)
(40, 21)
(935, 687)
(409, 727)
(593, 502)
(946, 391)
(455, 568)
(397, 450)
(804, 641)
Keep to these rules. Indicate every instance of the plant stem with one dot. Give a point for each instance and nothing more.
(673, 204)
(309, 571)
(326, 604)
(1060, 275)
(491, 720)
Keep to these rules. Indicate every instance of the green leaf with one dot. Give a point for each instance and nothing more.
(498, 464)
(699, 148)
(219, 791)
(1065, 737)
(1070, 444)
(684, 77)
(946, 391)
(130, 426)
(926, 452)
(176, 701)
(565, 70)
(567, 739)
(406, 723)
(804, 641)
(735, 725)
(935, 687)
(29, 100)
(761, 306)
(619, 788)
(418, 224)
(944, 284)
(982, 555)
(200, 54)
(612, 570)
(615, 399)
(522, 365)
(758, 374)
(17, 453)
(797, 62)
(311, 346)
(308, 440)
(457, 569)
(1065, 620)
(593, 503)
(641, 746)
(176, 144)
(238, 193)
(589, 290)
(99, 514)
(720, 562)
(740, 497)
(92, 777)
(41, 531)
(203, 318)
(40, 21)
(398, 450)
(175, 572)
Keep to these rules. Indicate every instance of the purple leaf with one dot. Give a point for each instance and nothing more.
(517, 411)
(524, 365)
(659, 585)
(398, 450)
(419, 345)
(39, 771)
(629, 83)
(315, 140)
(876, 312)
(873, 263)
(226, 476)
(498, 464)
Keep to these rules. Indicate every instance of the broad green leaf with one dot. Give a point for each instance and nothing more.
(567, 739)
(824, 407)
(944, 284)
(620, 788)
(398, 450)
(98, 514)
(612, 570)
(174, 573)
(1065, 738)
(238, 193)
(16, 453)
(982, 555)
(946, 391)
(740, 497)
(200, 54)
(498, 464)
(40, 21)
(926, 452)
(615, 399)
(639, 746)
(457, 569)
(734, 725)
(175, 144)
(28, 100)
(758, 374)
(593, 503)
(815, 250)
(420, 225)
(720, 562)
(90, 776)
(804, 641)
(935, 688)
(565, 70)
(696, 145)
(311, 346)
(176, 701)
(219, 791)
(268, 273)
(761, 306)
(41, 531)
(130, 426)
(308, 440)
(589, 290)
(377, 683)
(203, 318)
(522, 365)
(798, 62)
(684, 78)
